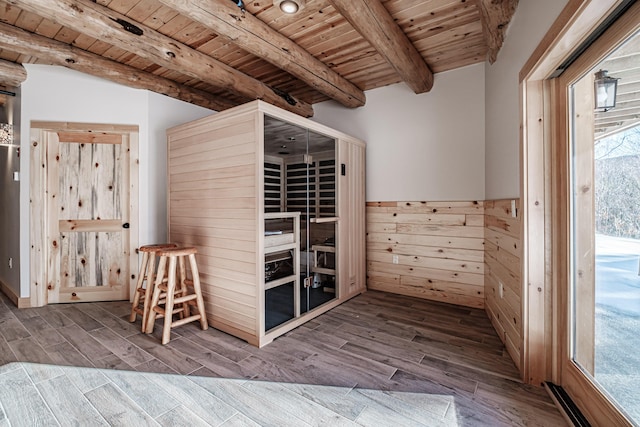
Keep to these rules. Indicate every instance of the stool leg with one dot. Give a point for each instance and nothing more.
(151, 266)
(184, 290)
(139, 284)
(196, 288)
(168, 308)
(156, 295)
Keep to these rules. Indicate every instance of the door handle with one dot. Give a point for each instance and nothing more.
(125, 225)
(308, 281)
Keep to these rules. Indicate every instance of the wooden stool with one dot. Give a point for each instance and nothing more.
(165, 292)
(147, 271)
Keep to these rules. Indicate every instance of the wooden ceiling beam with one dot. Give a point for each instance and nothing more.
(251, 34)
(495, 16)
(116, 29)
(59, 53)
(11, 74)
(374, 22)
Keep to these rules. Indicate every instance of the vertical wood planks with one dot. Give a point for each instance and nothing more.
(89, 171)
(51, 189)
(84, 183)
(37, 219)
(439, 248)
(90, 187)
(583, 225)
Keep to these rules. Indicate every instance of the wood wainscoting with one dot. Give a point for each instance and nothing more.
(503, 273)
(466, 253)
(431, 250)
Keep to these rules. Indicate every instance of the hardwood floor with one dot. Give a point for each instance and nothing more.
(377, 360)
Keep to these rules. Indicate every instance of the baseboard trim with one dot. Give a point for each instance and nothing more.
(15, 299)
(569, 410)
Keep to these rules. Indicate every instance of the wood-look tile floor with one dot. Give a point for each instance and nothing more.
(377, 360)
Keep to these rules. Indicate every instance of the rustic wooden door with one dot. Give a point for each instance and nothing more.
(91, 240)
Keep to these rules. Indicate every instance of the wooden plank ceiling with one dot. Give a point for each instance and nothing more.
(212, 53)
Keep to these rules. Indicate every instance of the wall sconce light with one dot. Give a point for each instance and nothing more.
(6, 134)
(290, 6)
(605, 88)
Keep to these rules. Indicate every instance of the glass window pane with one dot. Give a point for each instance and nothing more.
(605, 185)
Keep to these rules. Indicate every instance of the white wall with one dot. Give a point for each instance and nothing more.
(59, 94)
(532, 20)
(164, 112)
(420, 147)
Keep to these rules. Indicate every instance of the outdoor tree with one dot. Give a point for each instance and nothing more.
(617, 185)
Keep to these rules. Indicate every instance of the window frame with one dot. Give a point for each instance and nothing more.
(545, 194)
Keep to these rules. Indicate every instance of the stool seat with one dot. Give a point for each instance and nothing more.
(156, 247)
(172, 287)
(142, 294)
(176, 251)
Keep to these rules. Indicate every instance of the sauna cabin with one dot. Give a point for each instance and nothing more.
(275, 205)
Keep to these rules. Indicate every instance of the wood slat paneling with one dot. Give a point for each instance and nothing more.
(212, 173)
(503, 268)
(439, 248)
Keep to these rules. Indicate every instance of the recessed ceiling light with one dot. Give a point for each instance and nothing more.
(290, 6)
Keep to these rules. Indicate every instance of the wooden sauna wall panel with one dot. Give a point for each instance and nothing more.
(352, 208)
(503, 265)
(439, 245)
(213, 201)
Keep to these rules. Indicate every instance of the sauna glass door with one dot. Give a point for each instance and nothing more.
(300, 177)
(319, 254)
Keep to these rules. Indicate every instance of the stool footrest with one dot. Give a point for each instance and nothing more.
(161, 310)
(174, 292)
(163, 286)
(186, 320)
(185, 298)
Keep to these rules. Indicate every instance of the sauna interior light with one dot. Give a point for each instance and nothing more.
(290, 6)
(605, 88)
(6, 134)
